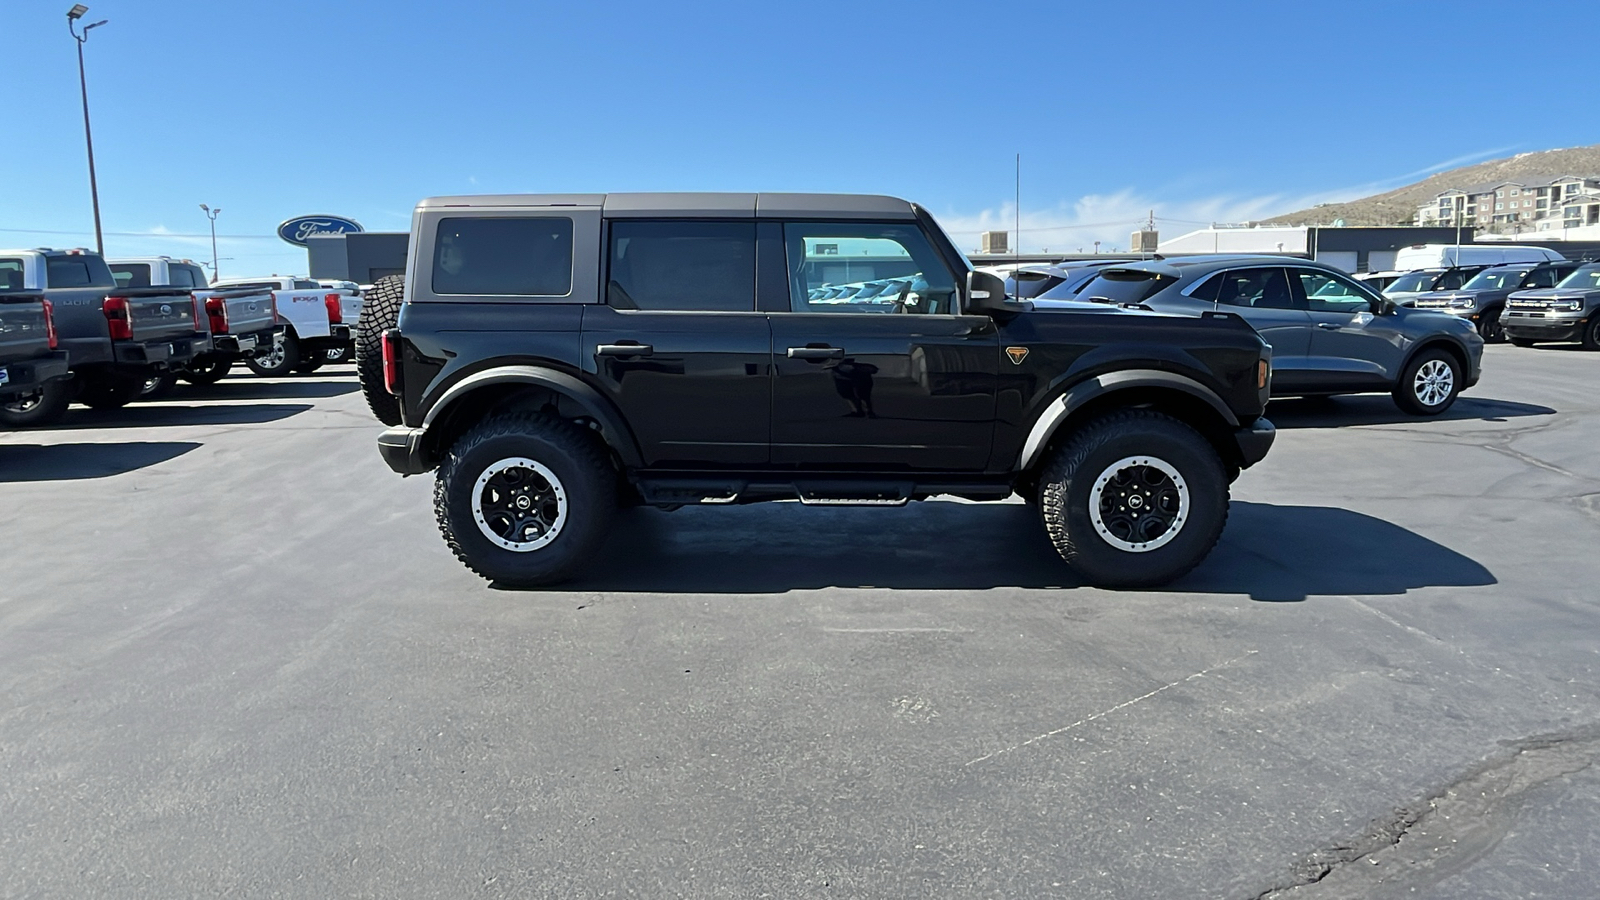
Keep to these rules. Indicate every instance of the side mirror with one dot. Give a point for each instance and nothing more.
(1387, 307)
(985, 293)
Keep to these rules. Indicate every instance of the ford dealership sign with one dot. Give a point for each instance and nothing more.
(296, 230)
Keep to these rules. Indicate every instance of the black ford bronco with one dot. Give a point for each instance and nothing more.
(555, 356)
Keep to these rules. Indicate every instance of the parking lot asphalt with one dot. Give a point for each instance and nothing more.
(237, 659)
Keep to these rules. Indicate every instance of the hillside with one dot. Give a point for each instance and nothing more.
(1399, 206)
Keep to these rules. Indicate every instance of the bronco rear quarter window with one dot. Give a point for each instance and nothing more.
(527, 257)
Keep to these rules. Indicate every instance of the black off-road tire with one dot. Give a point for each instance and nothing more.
(273, 365)
(207, 372)
(158, 385)
(1522, 342)
(584, 480)
(1591, 334)
(1491, 329)
(380, 311)
(1069, 479)
(43, 407)
(1410, 393)
(110, 391)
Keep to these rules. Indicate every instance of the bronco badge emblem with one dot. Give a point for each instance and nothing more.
(1017, 354)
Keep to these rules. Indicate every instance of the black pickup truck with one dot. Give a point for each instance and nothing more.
(31, 366)
(555, 355)
(115, 338)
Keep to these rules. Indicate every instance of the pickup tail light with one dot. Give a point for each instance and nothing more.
(335, 314)
(50, 324)
(217, 314)
(391, 361)
(119, 318)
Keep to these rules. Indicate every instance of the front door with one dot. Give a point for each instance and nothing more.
(1352, 347)
(875, 366)
(678, 344)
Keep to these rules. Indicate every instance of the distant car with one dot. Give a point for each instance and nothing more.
(1329, 333)
(1378, 281)
(1483, 298)
(1570, 311)
(1417, 282)
(1056, 282)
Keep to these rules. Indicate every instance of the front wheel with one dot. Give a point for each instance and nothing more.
(1429, 385)
(523, 500)
(1135, 499)
(278, 361)
(1591, 334)
(207, 372)
(42, 407)
(1490, 329)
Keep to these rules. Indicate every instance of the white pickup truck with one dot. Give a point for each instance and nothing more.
(315, 321)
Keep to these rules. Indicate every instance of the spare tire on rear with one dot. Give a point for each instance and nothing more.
(380, 311)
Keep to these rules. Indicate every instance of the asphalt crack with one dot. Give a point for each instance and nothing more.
(1426, 842)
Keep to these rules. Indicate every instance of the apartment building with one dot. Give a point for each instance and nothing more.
(1544, 204)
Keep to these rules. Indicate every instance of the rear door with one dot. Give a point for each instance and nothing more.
(1351, 346)
(899, 378)
(1263, 296)
(677, 342)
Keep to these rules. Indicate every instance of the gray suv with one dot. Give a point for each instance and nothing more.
(1329, 333)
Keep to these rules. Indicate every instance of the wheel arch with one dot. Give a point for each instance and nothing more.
(511, 388)
(1179, 396)
(1438, 342)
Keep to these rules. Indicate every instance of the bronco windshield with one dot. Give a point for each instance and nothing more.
(1496, 280)
(1586, 278)
(1412, 282)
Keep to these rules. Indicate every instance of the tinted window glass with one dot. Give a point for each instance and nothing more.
(1412, 281)
(1586, 278)
(1124, 286)
(1256, 288)
(862, 267)
(178, 276)
(131, 275)
(1452, 279)
(197, 275)
(77, 271)
(1540, 278)
(1206, 292)
(1072, 286)
(10, 274)
(522, 257)
(707, 266)
(1027, 285)
(305, 284)
(1326, 293)
(1495, 279)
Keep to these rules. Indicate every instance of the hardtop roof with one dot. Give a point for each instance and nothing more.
(693, 204)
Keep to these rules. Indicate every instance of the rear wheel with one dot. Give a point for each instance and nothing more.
(1591, 334)
(523, 500)
(42, 407)
(380, 311)
(110, 391)
(310, 363)
(207, 372)
(1134, 499)
(1429, 385)
(278, 361)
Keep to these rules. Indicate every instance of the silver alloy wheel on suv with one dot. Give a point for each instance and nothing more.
(519, 504)
(1435, 381)
(1139, 504)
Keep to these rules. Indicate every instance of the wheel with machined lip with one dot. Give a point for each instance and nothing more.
(1134, 498)
(523, 500)
(279, 360)
(1429, 385)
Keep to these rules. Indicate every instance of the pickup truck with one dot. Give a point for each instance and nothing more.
(553, 356)
(311, 318)
(33, 371)
(116, 338)
(240, 323)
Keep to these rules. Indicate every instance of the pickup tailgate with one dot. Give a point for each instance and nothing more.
(158, 313)
(350, 307)
(249, 310)
(23, 333)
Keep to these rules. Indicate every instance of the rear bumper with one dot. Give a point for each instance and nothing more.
(161, 354)
(1254, 441)
(401, 449)
(243, 346)
(25, 377)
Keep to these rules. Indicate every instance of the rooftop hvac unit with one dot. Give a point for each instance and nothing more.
(1143, 241)
(993, 242)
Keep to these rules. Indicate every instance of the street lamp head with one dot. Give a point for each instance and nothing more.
(77, 11)
(89, 28)
(205, 207)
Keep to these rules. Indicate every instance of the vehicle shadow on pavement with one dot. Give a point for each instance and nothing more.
(1363, 409)
(70, 462)
(159, 415)
(261, 389)
(1268, 552)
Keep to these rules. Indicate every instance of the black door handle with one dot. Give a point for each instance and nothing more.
(623, 350)
(815, 353)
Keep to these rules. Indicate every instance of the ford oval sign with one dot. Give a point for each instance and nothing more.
(298, 229)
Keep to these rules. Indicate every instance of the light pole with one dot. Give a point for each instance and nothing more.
(212, 215)
(73, 15)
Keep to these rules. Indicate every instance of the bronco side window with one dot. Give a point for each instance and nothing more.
(685, 265)
(503, 256)
(866, 268)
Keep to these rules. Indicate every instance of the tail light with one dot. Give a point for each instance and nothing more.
(119, 318)
(194, 309)
(391, 361)
(217, 313)
(50, 323)
(335, 314)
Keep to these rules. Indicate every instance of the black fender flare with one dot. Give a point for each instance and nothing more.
(1073, 398)
(612, 427)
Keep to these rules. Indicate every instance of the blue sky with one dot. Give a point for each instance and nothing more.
(1204, 111)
